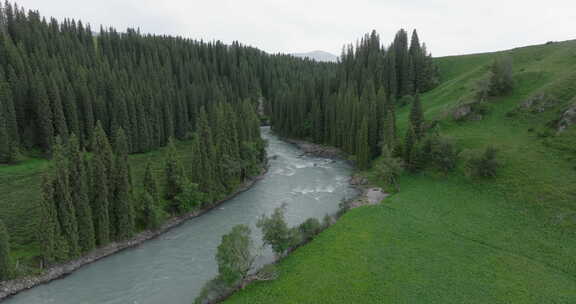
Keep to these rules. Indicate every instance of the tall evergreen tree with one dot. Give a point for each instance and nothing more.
(63, 199)
(50, 228)
(121, 207)
(79, 183)
(389, 124)
(363, 150)
(417, 117)
(5, 266)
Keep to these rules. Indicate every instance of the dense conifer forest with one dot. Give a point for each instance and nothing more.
(354, 108)
(86, 100)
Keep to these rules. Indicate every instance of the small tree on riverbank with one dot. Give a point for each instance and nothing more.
(235, 261)
(276, 232)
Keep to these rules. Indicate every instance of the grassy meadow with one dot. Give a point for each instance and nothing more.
(452, 238)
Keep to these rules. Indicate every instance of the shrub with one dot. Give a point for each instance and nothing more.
(389, 169)
(484, 165)
(235, 261)
(442, 153)
(501, 81)
(275, 231)
(309, 229)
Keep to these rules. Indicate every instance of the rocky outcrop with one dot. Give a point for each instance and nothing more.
(369, 196)
(316, 149)
(471, 110)
(568, 117)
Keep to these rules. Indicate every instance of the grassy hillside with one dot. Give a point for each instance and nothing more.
(453, 239)
(20, 187)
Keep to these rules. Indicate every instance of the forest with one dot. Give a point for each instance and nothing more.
(88, 99)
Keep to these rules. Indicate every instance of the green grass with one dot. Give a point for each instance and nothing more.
(20, 187)
(453, 239)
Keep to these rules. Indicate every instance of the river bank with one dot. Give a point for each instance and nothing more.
(13, 287)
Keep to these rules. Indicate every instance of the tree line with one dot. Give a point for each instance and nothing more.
(87, 100)
(90, 200)
(60, 78)
(354, 107)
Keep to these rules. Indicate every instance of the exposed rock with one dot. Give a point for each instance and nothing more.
(568, 118)
(316, 149)
(358, 180)
(370, 196)
(537, 103)
(461, 112)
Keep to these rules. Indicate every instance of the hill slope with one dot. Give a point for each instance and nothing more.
(320, 56)
(452, 239)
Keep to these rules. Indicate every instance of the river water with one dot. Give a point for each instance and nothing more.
(173, 268)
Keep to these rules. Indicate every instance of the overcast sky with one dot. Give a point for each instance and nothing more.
(288, 26)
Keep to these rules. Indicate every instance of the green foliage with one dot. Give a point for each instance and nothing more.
(363, 149)
(121, 205)
(442, 153)
(234, 256)
(174, 172)
(189, 197)
(150, 213)
(501, 81)
(389, 169)
(276, 232)
(79, 182)
(309, 229)
(483, 165)
(5, 265)
(235, 261)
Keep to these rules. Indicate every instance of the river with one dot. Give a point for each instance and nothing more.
(173, 268)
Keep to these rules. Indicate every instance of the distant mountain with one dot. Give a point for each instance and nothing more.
(318, 56)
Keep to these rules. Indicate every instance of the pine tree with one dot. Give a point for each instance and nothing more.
(150, 183)
(50, 228)
(5, 266)
(174, 171)
(417, 118)
(102, 168)
(43, 113)
(121, 207)
(389, 124)
(79, 183)
(63, 199)
(363, 149)
(150, 201)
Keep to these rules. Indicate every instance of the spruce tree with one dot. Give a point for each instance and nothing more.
(121, 207)
(63, 199)
(102, 166)
(174, 171)
(389, 123)
(150, 201)
(79, 183)
(5, 266)
(417, 118)
(363, 149)
(43, 113)
(49, 232)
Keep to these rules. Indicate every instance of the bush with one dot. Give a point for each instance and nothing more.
(235, 261)
(309, 229)
(213, 291)
(484, 165)
(442, 153)
(188, 197)
(501, 81)
(389, 169)
(275, 231)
